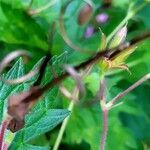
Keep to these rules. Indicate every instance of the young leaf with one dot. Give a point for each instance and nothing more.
(92, 83)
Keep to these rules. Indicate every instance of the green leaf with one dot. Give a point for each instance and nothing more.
(28, 147)
(17, 3)
(51, 13)
(144, 15)
(19, 28)
(123, 135)
(138, 126)
(89, 129)
(38, 123)
(93, 82)
(42, 121)
(123, 3)
(81, 128)
(57, 64)
(5, 90)
(42, 117)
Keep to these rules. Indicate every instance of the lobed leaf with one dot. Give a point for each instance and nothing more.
(42, 118)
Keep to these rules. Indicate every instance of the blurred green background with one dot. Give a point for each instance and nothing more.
(129, 123)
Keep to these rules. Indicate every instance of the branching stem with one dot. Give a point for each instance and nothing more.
(106, 106)
(136, 84)
(93, 60)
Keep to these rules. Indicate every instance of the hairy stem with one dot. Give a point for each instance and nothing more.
(105, 129)
(2, 131)
(104, 113)
(106, 106)
(93, 60)
(102, 90)
(136, 84)
(5, 147)
(63, 127)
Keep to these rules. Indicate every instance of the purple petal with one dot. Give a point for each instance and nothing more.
(102, 18)
(89, 31)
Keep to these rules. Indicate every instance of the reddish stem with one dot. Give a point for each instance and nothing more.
(132, 87)
(5, 146)
(2, 132)
(105, 128)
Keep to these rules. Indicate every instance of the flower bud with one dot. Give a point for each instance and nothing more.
(119, 37)
(85, 14)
